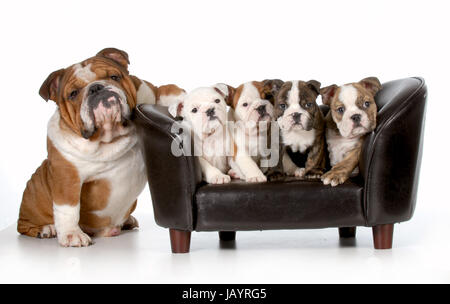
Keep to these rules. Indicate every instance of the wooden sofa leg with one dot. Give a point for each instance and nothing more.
(227, 236)
(382, 236)
(347, 232)
(180, 241)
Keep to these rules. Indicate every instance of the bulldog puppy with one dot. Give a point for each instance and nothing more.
(252, 109)
(94, 172)
(302, 127)
(205, 110)
(353, 114)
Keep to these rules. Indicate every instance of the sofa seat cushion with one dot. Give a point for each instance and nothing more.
(289, 204)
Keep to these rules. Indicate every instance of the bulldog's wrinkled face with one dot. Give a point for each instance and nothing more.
(353, 106)
(95, 97)
(295, 105)
(250, 105)
(205, 109)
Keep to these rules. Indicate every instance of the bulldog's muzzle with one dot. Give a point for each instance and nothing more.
(104, 106)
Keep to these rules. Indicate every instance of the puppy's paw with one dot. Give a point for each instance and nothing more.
(314, 174)
(334, 178)
(233, 174)
(256, 179)
(220, 179)
(300, 172)
(47, 232)
(75, 238)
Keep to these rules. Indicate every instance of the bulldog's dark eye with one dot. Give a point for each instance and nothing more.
(115, 77)
(282, 106)
(245, 104)
(309, 105)
(217, 101)
(367, 104)
(73, 94)
(341, 110)
(194, 110)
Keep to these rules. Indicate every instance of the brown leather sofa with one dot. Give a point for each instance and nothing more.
(384, 193)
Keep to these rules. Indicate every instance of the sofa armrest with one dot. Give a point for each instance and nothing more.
(172, 180)
(391, 156)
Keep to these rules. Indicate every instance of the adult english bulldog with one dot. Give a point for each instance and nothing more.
(89, 184)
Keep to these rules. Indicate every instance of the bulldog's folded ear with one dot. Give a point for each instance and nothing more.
(328, 94)
(226, 91)
(314, 85)
(176, 108)
(119, 56)
(271, 88)
(49, 89)
(372, 84)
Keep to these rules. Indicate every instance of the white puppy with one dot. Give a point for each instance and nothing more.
(205, 110)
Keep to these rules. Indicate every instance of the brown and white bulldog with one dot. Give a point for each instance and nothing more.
(353, 114)
(94, 172)
(252, 110)
(302, 127)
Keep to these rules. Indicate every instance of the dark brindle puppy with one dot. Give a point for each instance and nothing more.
(353, 114)
(302, 127)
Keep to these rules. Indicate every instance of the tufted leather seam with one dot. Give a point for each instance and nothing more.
(186, 162)
(373, 144)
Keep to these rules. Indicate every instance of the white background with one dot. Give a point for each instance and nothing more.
(196, 43)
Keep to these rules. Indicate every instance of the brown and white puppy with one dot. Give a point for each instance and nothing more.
(206, 113)
(353, 114)
(302, 127)
(252, 110)
(94, 172)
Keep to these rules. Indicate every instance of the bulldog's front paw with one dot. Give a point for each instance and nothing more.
(256, 179)
(334, 178)
(220, 179)
(300, 172)
(75, 238)
(314, 174)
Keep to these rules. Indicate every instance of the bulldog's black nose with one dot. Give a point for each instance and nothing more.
(210, 112)
(296, 116)
(95, 89)
(356, 118)
(261, 110)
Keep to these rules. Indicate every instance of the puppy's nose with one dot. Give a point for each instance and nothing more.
(296, 116)
(210, 112)
(356, 118)
(95, 89)
(261, 109)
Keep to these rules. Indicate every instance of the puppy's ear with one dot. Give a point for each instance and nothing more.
(328, 94)
(314, 85)
(271, 88)
(49, 89)
(119, 56)
(176, 108)
(226, 91)
(372, 84)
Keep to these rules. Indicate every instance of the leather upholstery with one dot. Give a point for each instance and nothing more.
(385, 193)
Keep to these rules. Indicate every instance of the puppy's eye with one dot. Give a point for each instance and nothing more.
(245, 104)
(194, 110)
(309, 105)
(217, 101)
(366, 104)
(282, 106)
(115, 77)
(73, 94)
(341, 110)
